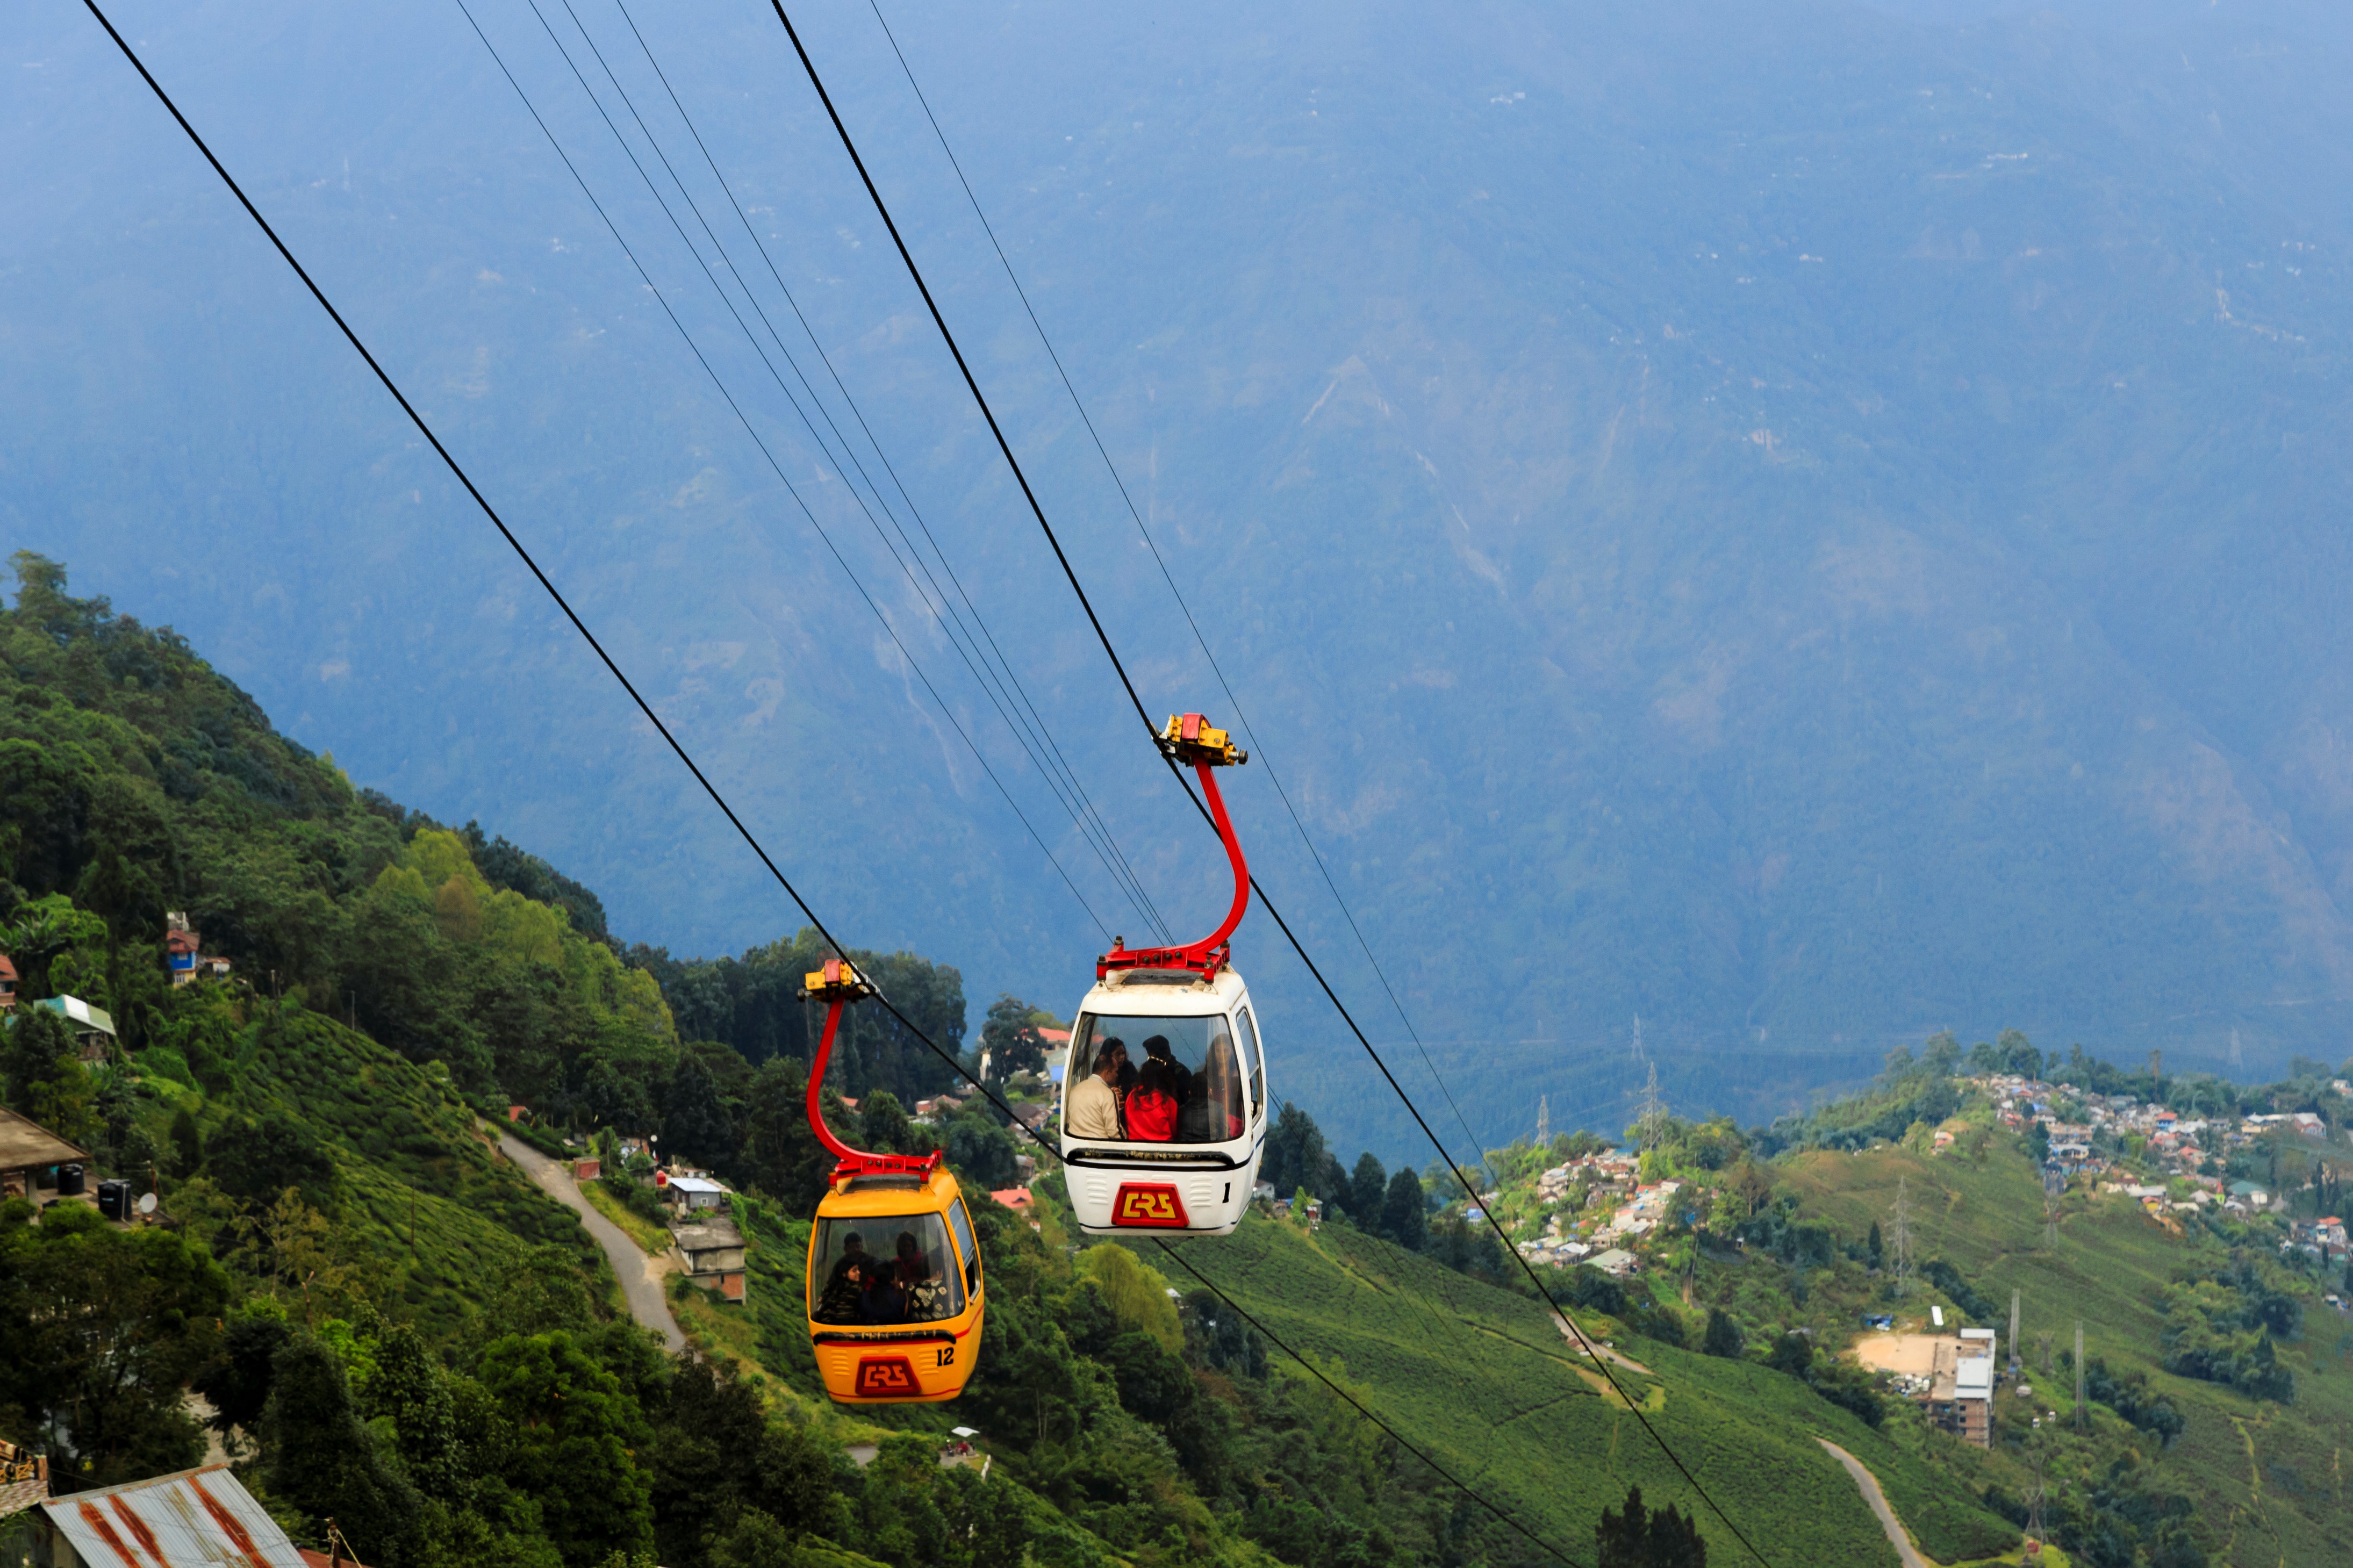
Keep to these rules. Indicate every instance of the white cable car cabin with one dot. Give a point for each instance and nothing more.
(1164, 1101)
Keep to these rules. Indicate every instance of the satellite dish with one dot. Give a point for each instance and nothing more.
(147, 1203)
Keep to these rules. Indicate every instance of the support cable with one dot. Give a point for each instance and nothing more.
(778, 467)
(516, 545)
(1132, 889)
(645, 707)
(1256, 747)
(1068, 775)
(843, 131)
(1317, 1373)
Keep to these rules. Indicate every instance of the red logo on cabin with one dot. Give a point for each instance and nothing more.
(883, 1376)
(1150, 1204)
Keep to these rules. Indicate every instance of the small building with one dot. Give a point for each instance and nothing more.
(183, 953)
(689, 1193)
(2309, 1124)
(92, 1026)
(200, 1516)
(587, 1168)
(1617, 1262)
(7, 983)
(711, 1255)
(24, 1478)
(26, 1148)
(1018, 1200)
(180, 951)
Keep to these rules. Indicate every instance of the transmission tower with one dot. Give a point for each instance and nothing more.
(2014, 1336)
(2050, 1223)
(1654, 1110)
(2034, 1512)
(1636, 1053)
(1543, 1121)
(1901, 1236)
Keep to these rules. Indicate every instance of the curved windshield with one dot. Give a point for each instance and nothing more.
(884, 1269)
(1153, 1081)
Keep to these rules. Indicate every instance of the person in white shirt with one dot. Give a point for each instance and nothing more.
(1092, 1108)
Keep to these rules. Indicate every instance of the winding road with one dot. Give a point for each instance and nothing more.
(641, 1276)
(1908, 1554)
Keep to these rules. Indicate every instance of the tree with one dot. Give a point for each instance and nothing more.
(41, 1067)
(694, 1122)
(102, 1330)
(255, 1161)
(1405, 1213)
(886, 1127)
(1793, 1353)
(575, 1434)
(41, 930)
(1875, 1246)
(982, 1152)
(1632, 1537)
(236, 1384)
(1367, 1191)
(1723, 1336)
(325, 1461)
(2019, 1058)
(188, 1144)
(1754, 1184)
(1296, 1156)
(784, 1157)
(1011, 1039)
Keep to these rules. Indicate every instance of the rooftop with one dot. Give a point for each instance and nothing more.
(77, 1011)
(188, 1518)
(25, 1143)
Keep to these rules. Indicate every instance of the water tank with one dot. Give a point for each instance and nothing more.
(69, 1182)
(114, 1200)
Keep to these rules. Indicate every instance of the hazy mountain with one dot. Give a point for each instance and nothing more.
(1807, 523)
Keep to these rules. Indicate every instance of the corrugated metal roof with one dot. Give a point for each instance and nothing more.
(187, 1519)
(76, 1010)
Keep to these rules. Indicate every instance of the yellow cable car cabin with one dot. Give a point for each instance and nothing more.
(894, 1288)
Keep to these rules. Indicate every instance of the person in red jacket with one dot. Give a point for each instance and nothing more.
(1151, 1105)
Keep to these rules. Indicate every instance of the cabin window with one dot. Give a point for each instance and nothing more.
(962, 1224)
(1181, 1082)
(1257, 1062)
(884, 1270)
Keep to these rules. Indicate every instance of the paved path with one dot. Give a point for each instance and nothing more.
(642, 1277)
(1904, 1550)
(1579, 1341)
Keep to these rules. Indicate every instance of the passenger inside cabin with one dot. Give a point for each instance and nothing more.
(911, 1278)
(1152, 1105)
(1092, 1110)
(1180, 1077)
(1219, 1096)
(847, 1287)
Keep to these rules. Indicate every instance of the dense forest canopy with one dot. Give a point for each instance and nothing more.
(136, 781)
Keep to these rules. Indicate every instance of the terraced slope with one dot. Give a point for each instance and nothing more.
(2262, 1472)
(1485, 1381)
(421, 1205)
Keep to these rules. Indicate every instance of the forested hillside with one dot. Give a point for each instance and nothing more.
(388, 1324)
